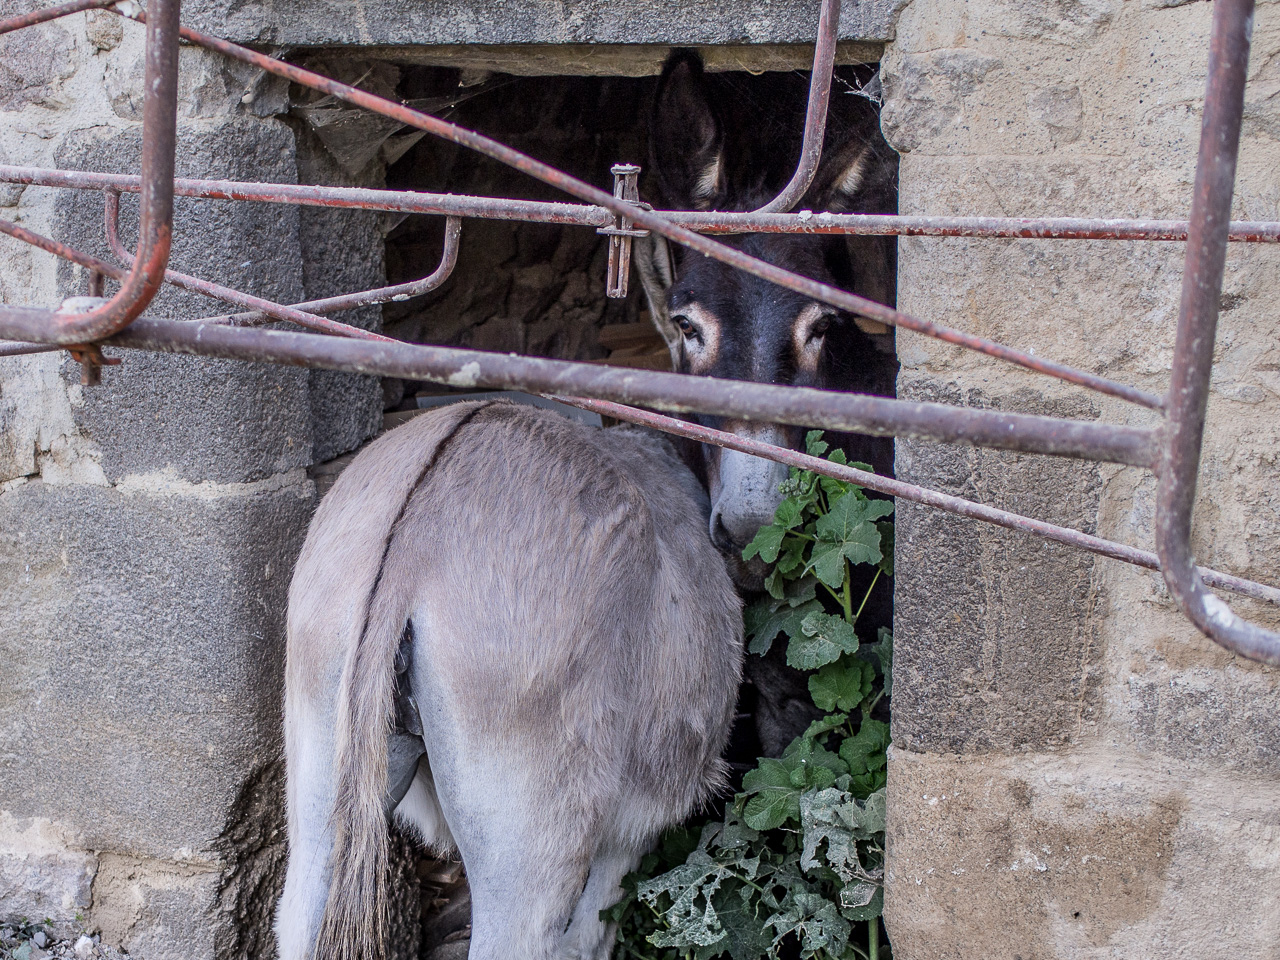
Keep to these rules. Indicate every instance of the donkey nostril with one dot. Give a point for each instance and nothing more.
(720, 536)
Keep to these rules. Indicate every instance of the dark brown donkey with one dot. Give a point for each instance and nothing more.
(728, 142)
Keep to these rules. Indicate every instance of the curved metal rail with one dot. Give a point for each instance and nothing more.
(159, 139)
(1188, 397)
(815, 115)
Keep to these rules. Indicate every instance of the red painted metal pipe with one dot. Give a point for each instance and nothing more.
(159, 137)
(815, 117)
(51, 13)
(585, 215)
(1197, 326)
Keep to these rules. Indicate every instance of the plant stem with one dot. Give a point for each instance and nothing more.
(874, 580)
(846, 602)
(873, 938)
(834, 595)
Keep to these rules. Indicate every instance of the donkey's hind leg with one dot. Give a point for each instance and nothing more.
(589, 937)
(309, 744)
(527, 848)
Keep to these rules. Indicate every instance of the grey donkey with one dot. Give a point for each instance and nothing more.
(512, 632)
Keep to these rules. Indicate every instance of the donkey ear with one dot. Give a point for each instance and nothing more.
(845, 180)
(859, 170)
(652, 258)
(686, 139)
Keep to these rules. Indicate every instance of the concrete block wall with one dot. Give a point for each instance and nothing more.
(148, 526)
(1076, 772)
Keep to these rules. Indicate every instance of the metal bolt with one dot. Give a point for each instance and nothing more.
(620, 233)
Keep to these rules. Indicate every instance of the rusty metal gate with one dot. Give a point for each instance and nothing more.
(1171, 450)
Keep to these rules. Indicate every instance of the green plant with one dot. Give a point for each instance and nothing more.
(796, 862)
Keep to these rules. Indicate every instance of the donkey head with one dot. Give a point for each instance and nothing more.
(709, 150)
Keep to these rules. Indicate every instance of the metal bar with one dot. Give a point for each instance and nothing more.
(1197, 325)
(1060, 228)
(995, 228)
(680, 393)
(63, 251)
(218, 292)
(586, 215)
(649, 220)
(347, 301)
(815, 117)
(916, 494)
(620, 234)
(159, 137)
(51, 13)
(355, 198)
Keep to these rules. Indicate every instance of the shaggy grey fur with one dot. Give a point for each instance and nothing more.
(576, 653)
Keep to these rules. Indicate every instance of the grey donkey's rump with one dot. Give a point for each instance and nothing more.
(542, 602)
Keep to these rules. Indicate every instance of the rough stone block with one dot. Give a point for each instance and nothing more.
(196, 418)
(993, 639)
(1230, 713)
(1096, 855)
(534, 22)
(41, 876)
(155, 909)
(143, 649)
(33, 62)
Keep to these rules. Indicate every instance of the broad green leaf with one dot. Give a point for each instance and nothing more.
(886, 547)
(774, 799)
(828, 563)
(865, 751)
(842, 685)
(866, 784)
(767, 542)
(776, 584)
(742, 922)
(849, 523)
(811, 764)
(835, 488)
(814, 921)
(857, 897)
(848, 513)
(814, 445)
(822, 827)
(824, 725)
(769, 810)
(792, 556)
(865, 817)
(789, 513)
(821, 640)
(691, 918)
(763, 624)
(872, 909)
(801, 589)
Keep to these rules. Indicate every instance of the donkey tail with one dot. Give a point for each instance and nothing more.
(355, 921)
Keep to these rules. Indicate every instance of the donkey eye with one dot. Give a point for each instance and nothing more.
(820, 327)
(686, 327)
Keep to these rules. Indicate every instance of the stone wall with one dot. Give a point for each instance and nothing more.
(1076, 772)
(148, 526)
